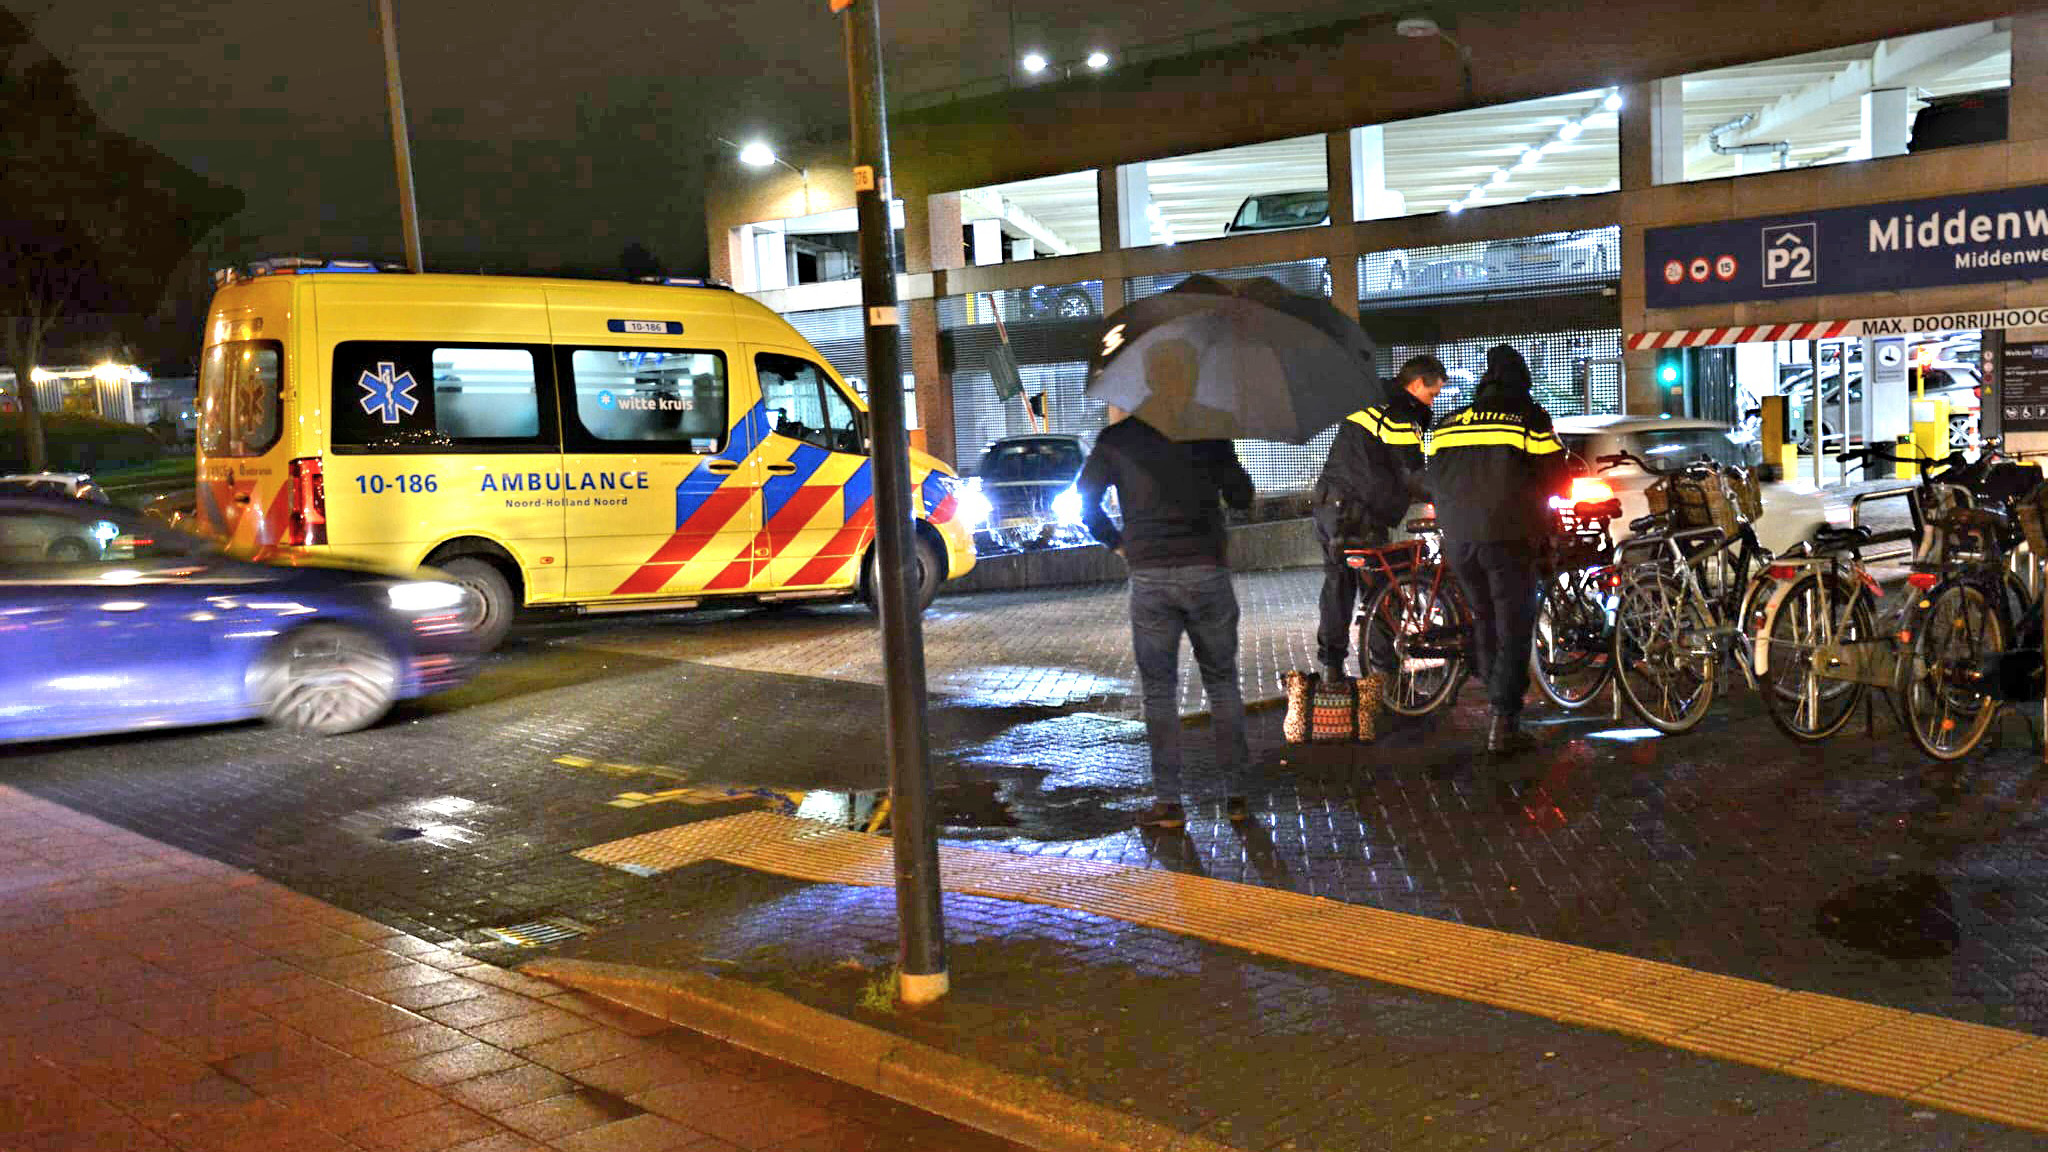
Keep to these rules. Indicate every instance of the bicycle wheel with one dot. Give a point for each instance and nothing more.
(1940, 672)
(1664, 659)
(1802, 700)
(1414, 634)
(1570, 654)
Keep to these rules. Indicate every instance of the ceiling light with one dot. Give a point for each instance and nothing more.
(1034, 63)
(1529, 157)
(757, 155)
(1098, 60)
(1613, 102)
(1500, 176)
(1418, 27)
(1457, 206)
(1570, 131)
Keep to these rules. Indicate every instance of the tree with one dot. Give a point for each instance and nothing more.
(97, 220)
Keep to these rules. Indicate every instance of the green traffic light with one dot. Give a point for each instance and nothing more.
(1669, 374)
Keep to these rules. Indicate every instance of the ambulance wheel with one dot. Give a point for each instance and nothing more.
(930, 573)
(494, 605)
(325, 679)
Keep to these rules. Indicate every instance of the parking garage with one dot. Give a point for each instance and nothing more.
(1533, 222)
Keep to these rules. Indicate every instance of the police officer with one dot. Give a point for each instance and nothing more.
(1374, 472)
(1493, 468)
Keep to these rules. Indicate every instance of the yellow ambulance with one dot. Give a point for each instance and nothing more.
(545, 442)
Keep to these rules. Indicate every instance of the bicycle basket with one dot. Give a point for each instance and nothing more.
(1749, 493)
(2032, 511)
(1658, 494)
(1702, 502)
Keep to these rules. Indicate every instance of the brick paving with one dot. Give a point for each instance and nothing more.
(158, 1000)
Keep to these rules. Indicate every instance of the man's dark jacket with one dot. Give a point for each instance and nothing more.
(1171, 493)
(1494, 466)
(1374, 470)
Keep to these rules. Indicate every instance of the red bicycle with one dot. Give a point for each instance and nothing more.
(1415, 629)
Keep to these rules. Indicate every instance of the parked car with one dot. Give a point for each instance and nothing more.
(1534, 260)
(1953, 381)
(1789, 514)
(1447, 276)
(161, 629)
(1063, 302)
(1272, 211)
(70, 485)
(1025, 480)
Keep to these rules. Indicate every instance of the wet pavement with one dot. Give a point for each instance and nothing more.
(1849, 869)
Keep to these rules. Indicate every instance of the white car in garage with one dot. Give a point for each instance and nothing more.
(1789, 514)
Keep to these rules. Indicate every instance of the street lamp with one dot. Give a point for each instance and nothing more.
(1035, 63)
(1422, 28)
(757, 154)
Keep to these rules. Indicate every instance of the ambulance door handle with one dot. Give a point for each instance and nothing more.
(782, 469)
(722, 466)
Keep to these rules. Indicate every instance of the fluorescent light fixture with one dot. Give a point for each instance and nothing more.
(1457, 206)
(1529, 157)
(1098, 60)
(1570, 131)
(1034, 62)
(757, 155)
(1613, 102)
(1500, 176)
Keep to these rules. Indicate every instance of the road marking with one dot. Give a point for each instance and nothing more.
(1995, 1073)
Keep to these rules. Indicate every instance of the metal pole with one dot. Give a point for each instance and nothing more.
(401, 143)
(1813, 411)
(920, 925)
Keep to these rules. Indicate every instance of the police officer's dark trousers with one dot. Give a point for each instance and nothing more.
(1499, 578)
(1345, 591)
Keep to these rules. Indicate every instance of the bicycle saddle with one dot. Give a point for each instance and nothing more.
(1642, 524)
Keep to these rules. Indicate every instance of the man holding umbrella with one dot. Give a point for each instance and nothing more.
(1372, 475)
(1493, 468)
(1196, 368)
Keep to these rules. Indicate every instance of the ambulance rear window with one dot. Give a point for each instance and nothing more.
(240, 383)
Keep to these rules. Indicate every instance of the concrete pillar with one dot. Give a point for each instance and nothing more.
(1887, 123)
(1108, 198)
(1642, 395)
(771, 259)
(1653, 134)
(1373, 200)
(934, 386)
(915, 211)
(988, 242)
(946, 245)
(1133, 200)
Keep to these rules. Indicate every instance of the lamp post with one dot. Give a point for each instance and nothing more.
(1422, 27)
(1035, 63)
(401, 142)
(921, 933)
(757, 154)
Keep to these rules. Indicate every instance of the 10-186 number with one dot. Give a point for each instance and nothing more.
(403, 482)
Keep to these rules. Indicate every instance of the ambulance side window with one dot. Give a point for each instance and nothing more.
(414, 396)
(803, 404)
(627, 399)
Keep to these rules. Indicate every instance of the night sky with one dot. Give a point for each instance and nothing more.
(545, 137)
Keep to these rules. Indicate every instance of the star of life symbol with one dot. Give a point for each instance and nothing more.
(388, 392)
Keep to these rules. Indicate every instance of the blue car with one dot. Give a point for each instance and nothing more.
(110, 621)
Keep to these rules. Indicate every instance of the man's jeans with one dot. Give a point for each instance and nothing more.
(1197, 600)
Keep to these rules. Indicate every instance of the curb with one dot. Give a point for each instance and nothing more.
(1251, 707)
(961, 1090)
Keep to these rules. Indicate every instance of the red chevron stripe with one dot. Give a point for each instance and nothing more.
(735, 575)
(797, 513)
(845, 542)
(684, 545)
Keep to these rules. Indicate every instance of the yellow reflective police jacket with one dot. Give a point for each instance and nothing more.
(1493, 468)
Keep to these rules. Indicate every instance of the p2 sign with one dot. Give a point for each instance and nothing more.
(1971, 238)
(1791, 255)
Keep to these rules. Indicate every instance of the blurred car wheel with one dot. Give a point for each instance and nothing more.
(70, 550)
(326, 679)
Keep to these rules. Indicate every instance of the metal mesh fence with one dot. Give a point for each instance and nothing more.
(1576, 373)
(840, 337)
(1051, 344)
(1308, 277)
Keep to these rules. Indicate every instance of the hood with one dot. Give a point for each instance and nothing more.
(1507, 376)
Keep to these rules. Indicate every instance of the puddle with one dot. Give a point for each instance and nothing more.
(965, 804)
(1909, 917)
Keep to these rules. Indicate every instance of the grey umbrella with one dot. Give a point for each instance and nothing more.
(1250, 360)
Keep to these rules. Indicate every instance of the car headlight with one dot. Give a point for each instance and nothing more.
(105, 531)
(425, 596)
(970, 504)
(1066, 507)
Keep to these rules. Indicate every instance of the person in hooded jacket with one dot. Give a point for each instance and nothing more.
(1493, 467)
(1373, 473)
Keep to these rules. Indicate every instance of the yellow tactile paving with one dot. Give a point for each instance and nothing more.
(1994, 1073)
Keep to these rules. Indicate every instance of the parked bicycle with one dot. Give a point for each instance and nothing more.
(1685, 591)
(1570, 652)
(1415, 630)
